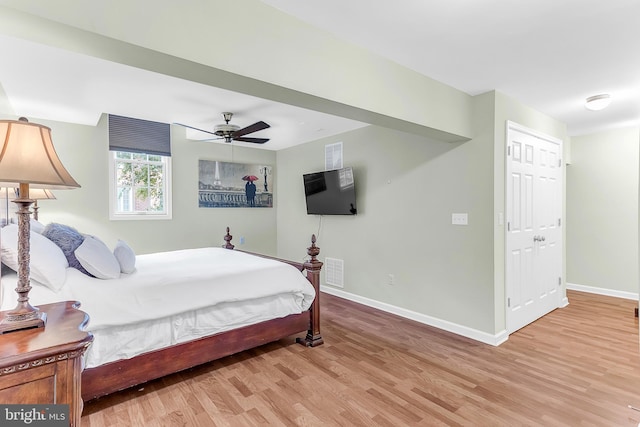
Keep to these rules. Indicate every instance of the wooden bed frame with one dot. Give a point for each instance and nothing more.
(121, 374)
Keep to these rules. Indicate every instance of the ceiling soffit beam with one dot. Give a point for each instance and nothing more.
(30, 27)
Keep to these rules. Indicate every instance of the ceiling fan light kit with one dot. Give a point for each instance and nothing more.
(226, 131)
(598, 102)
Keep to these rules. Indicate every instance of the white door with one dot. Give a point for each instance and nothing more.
(534, 237)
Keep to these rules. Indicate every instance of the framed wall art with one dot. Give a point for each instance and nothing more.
(234, 185)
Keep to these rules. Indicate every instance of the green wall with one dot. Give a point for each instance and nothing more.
(407, 188)
(602, 212)
(431, 151)
(84, 152)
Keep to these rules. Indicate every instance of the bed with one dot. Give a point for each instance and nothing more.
(223, 301)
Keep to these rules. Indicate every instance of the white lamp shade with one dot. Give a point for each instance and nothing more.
(27, 156)
(40, 194)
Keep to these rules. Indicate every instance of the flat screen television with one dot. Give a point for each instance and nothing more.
(330, 192)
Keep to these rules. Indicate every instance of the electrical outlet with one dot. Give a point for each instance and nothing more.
(392, 279)
(459, 219)
(242, 240)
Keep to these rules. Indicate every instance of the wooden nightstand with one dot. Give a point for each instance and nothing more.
(44, 365)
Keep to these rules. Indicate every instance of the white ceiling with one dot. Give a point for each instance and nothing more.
(77, 89)
(548, 54)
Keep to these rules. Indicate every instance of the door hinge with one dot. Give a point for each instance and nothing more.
(559, 281)
(508, 302)
(559, 222)
(508, 226)
(559, 163)
(508, 150)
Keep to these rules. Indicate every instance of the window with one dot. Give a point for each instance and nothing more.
(333, 156)
(140, 185)
(140, 168)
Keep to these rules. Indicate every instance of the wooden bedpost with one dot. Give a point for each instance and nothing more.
(227, 239)
(313, 267)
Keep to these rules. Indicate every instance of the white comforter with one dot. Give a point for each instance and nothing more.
(169, 283)
(174, 297)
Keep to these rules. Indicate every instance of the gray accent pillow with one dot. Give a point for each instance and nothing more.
(68, 239)
(5, 269)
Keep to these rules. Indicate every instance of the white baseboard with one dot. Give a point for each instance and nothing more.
(603, 291)
(464, 331)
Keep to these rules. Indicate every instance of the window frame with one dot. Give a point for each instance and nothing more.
(113, 198)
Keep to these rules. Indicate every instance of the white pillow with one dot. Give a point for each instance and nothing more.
(97, 259)
(36, 226)
(48, 265)
(125, 256)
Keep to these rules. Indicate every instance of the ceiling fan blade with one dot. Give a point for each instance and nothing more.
(191, 127)
(254, 140)
(251, 128)
(209, 139)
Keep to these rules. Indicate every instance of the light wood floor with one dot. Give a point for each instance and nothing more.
(578, 366)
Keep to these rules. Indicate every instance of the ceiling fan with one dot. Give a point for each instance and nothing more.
(230, 132)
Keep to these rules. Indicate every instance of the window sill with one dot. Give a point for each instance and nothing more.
(138, 217)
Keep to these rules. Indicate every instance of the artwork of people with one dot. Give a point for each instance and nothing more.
(250, 189)
(236, 185)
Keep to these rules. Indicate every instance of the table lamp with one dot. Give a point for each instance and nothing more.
(39, 194)
(27, 156)
(6, 195)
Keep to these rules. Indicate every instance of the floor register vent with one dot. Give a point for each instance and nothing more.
(334, 272)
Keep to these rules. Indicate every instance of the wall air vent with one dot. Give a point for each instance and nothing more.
(334, 272)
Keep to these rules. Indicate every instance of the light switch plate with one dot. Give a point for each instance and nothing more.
(459, 219)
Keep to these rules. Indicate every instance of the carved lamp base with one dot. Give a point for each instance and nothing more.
(11, 321)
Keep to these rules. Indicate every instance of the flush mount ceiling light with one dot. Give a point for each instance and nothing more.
(598, 102)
